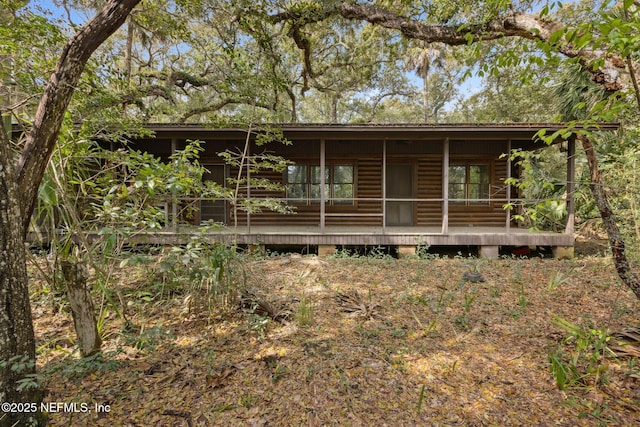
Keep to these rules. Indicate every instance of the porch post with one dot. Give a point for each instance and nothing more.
(445, 186)
(508, 220)
(322, 184)
(174, 197)
(384, 185)
(571, 178)
(248, 160)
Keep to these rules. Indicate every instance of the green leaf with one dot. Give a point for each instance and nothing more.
(583, 40)
(556, 35)
(544, 11)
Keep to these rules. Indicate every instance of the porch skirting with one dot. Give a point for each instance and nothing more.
(370, 236)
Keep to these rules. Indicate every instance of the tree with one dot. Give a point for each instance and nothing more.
(580, 97)
(507, 96)
(422, 60)
(21, 171)
(603, 47)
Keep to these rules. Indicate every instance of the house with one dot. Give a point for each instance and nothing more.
(399, 185)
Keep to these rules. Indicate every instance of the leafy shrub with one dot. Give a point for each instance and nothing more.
(210, 274)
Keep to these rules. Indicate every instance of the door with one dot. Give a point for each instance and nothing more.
(214, 210)
(399, 186)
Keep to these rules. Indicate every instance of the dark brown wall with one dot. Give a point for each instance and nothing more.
(366, 155)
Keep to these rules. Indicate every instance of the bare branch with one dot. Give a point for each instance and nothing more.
(218, 106)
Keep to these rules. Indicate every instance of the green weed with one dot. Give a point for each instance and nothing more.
(305, 312)
(258, 323)
(583, 364)
(279, 372)
(468, 301)
(556, 279)
(421, 398)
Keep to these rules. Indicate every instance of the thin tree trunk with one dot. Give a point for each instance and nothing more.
(294, 110)
(632, 71)
(82, 308)
(634, 80)
(128, 51)
(334, 109)
(425, 96)
(620, 261)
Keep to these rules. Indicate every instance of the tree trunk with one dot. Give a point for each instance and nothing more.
(425, 96)
(19, 183)
(128, 52)
(294, 110)
(82, 309)
(620, 261)
(334, 109)
(17, 342)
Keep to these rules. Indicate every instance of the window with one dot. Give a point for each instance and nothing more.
(297, 182)
(303, 184)
(342, 185)
(469, 183)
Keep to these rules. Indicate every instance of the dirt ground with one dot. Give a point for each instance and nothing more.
(354, 342)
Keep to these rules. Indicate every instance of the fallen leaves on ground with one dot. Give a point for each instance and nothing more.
(388, 343)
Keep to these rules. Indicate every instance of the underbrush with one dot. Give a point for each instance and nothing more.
(420, 339)
(208, 275)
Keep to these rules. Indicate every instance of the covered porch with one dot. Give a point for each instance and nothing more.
(403, 185)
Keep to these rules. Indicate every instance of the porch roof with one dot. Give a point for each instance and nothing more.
(522, 134)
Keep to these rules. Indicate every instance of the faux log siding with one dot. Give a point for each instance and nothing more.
(368, 186)
(485, 215)
(429, 213)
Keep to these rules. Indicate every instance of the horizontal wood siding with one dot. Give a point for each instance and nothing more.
(302, 215)
(493, 214)
(429, 187)
(368, 186)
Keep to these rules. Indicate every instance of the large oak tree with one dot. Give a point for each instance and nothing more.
(22, 168)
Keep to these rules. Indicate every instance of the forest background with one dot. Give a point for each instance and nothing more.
(247, 62)
(232, 63)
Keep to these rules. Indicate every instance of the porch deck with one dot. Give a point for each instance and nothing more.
(350, 235)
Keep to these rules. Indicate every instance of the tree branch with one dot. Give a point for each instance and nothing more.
(181, 79)
(634, 80)
(50, 113)
(527, 26)
(304, 44)
(217, 106)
